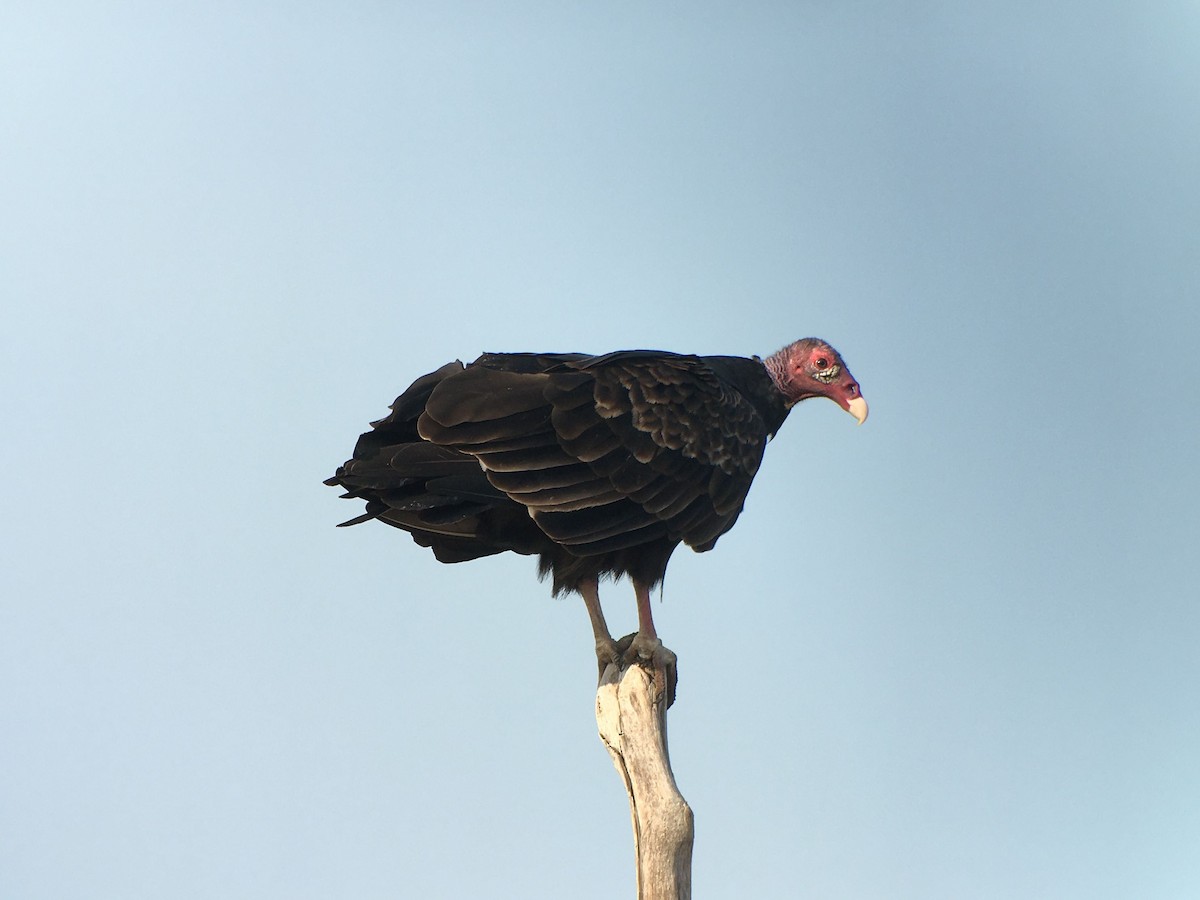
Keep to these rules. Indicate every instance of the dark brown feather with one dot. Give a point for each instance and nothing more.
(599, 465)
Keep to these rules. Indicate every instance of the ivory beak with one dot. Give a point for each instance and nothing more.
(858, 408)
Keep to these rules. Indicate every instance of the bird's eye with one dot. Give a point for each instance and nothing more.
(822, 363)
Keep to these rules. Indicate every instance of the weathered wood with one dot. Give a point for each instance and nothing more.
(631, 712)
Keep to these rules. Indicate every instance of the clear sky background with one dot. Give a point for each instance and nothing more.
(950, 654)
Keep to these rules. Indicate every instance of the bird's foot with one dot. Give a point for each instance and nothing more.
(637, 648)
(608, 653)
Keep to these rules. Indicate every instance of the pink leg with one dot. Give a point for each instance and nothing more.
(645, 615)
(648, 648)
(606, 647)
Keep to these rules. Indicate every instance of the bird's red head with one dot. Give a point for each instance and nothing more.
(811, 368)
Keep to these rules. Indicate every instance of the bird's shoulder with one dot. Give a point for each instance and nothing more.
(714, 410)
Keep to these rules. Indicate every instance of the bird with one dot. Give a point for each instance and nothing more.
(599, 465)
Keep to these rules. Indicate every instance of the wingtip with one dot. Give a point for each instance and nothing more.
(358, 520)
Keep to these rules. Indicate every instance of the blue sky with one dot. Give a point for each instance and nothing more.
(949, 654)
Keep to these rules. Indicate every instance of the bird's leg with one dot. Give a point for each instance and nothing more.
(645, 643)
(647, 647)
(606, 647)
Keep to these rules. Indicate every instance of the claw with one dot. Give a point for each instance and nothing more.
(608, 653)
(640, 649)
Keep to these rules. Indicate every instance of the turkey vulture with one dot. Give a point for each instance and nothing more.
(599, 465)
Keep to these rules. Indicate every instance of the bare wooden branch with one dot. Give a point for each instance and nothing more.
(631, 707)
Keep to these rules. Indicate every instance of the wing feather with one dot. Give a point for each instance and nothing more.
(594, 523)
(478, 394)
(605, 452)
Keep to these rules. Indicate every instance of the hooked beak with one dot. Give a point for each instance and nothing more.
(857, 407)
